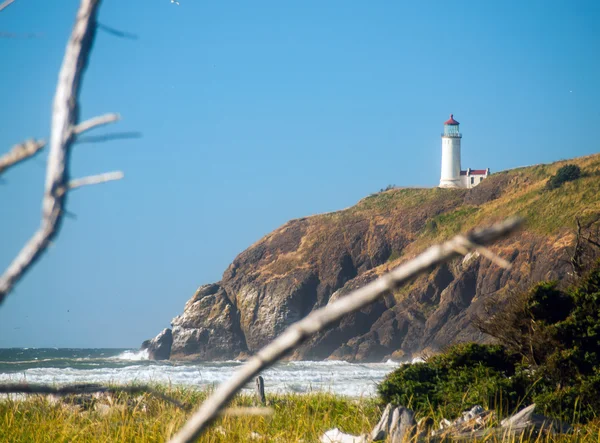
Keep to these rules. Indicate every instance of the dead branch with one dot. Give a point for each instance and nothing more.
(95, 179)
(95, 122)
(65, 116)
(324, 317)
(87, 388)
(6, 4)
(20, 152)
(582, 253)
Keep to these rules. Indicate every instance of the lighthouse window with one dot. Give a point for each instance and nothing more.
(472, 180)
(480, 179)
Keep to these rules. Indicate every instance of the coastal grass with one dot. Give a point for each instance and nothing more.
(142, 418)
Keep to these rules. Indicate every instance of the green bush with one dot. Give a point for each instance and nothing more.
(550, 356)
(466, 375)
(565, 174)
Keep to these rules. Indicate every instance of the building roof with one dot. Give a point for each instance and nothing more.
(451, 121)
(474, 172)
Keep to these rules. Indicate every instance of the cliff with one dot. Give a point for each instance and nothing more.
(308, 262)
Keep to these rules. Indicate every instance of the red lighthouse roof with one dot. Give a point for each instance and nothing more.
(451, 121)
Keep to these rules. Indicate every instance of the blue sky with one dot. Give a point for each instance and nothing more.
(253, 113)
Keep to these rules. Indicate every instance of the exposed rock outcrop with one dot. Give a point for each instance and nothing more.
(309, 262)
(208, 328)
(159, 348)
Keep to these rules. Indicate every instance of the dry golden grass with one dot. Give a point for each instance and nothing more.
(296, 418)
(145, 419)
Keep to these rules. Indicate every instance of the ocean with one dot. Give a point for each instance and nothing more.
(120, 366)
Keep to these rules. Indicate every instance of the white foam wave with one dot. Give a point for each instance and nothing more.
(132, 355)
(350, 379)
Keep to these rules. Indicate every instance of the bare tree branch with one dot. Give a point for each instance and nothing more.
(65, 115)
(95, 122)
(20, 152)
(88, 388)
(326, 316)
(95, 179)
(6, 4)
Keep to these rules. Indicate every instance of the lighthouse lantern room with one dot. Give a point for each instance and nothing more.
(452, 174)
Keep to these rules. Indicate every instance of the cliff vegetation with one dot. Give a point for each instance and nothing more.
(550, 356)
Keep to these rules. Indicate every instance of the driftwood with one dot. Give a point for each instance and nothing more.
(478, 424)
(397, 425)
(322, 318)
(260, 390)
(336, 436)
(381, 429)
(64, 131)
(402, 426)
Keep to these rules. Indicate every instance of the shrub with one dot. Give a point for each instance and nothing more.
(466, 375)
(550, 355)
(565, 174)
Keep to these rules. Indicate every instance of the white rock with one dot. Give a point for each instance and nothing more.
(337, 436)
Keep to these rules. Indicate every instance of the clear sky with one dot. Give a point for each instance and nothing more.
(256, 112)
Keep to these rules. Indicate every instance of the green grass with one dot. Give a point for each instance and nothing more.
(546, 212)
(296, 417)
(132, 418)
(450, 223)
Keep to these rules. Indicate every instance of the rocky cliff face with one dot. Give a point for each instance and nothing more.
(159, 348)
(309, 262)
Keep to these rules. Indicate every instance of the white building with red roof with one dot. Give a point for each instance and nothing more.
(452, 174)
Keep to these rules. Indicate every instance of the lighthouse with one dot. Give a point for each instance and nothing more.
(452, 174)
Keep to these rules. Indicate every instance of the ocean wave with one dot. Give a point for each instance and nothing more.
(131, 366)
(131, 356)
(347, 379)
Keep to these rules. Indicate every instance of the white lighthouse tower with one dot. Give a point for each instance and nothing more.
(451, 155)
(452, 174)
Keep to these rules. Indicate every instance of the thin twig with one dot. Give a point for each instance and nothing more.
(65, 116)
(88, 388)
(6, 4)
(326, 316)
(20, 152)
(95, 179)
(95, 122)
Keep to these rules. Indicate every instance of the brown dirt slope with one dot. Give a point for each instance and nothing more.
(308, 262)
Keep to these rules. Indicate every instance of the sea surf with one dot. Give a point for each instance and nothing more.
(60, 366)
